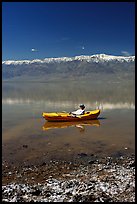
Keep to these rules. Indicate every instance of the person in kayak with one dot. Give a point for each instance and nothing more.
(80, 111)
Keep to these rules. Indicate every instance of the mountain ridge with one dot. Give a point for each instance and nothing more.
(66, 67)
(94, 58)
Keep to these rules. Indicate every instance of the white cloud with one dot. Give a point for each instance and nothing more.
(125, 53)
(34, 50)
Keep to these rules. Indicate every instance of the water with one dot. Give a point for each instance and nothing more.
(28, 138)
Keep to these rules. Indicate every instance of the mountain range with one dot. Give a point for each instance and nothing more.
(68, 66)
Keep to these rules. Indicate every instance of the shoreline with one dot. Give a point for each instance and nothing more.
(106, 179)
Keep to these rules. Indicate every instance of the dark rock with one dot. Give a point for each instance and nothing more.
(25, 146)
(36, 192)
(132, 164)
(66, 144)
(48, 194)
(44, 163)
(92, 161)
(82, 155)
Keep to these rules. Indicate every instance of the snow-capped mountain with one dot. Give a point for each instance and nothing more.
(93, 58)
(68, 66)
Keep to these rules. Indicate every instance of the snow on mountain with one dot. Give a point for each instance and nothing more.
(98, 58)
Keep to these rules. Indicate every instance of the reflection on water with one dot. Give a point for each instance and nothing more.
(22, 122)
(73, 91)
(64, 104)
(80, 125)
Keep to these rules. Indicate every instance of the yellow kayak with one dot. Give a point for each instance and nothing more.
(62, 117)
(49, 125)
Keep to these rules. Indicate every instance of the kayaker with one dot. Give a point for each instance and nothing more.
(80, 111)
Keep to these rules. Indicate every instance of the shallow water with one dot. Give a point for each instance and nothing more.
(28, 138)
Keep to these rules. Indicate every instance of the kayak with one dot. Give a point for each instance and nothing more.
(53, 125)
(62, 117)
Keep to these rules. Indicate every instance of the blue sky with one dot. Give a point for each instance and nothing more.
(39, 30)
